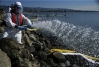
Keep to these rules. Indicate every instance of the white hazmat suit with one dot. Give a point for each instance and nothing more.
(12, 32)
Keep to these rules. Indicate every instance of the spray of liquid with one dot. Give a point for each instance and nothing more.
(83, 40)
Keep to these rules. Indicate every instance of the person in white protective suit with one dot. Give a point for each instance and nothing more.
(14, 23)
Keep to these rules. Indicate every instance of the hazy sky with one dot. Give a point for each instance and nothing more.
(71, 4)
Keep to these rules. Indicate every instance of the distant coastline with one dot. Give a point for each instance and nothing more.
(40, 9)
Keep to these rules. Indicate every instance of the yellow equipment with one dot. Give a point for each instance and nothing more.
(62, 50)
(35, 29)
(72, 51)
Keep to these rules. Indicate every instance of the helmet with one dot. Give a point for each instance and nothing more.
(18, 5)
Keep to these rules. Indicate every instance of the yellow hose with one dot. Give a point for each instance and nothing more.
(72, 51)
(62, 51)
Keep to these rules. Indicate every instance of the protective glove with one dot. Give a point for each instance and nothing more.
(28, 26)
(21, 28)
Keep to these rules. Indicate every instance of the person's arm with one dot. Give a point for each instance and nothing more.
(9, 9)
(28, 24)
(9, 22)
(26, 21)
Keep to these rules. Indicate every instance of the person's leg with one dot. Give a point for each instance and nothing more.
(18, 38)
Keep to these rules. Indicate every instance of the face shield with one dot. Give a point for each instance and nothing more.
(19, 10)
(18, 7)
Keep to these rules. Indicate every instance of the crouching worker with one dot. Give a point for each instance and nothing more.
(15, 22)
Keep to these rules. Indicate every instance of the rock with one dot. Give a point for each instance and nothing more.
(10, 43)
(1, 29)
(0, 34)
(43, 64)
(25, 53)
(36, 63)
(3, 23)
(22, 62)
(62, 65)
(42, 55)
(48, 44)
(31, 49)
(37, 45)
(12, 49)
(67, 63)
(46, 50)
(26, 63)
(58, 57)
(7, 45)
(27, 41)
(51, 62)
(4, 60)
(0, 21)
(32, 37)
(2, 26)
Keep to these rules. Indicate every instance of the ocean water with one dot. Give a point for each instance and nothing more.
(85, 19)
(79, 30)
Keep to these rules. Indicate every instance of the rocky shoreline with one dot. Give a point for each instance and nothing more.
(34, 52)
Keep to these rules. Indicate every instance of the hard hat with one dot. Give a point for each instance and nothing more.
(18, 4)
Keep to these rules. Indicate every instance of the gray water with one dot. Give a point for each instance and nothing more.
(79, 30)
(85, 19)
